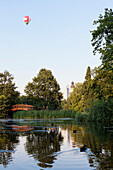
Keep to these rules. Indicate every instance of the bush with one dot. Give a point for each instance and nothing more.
(80, 117)
(101, 111)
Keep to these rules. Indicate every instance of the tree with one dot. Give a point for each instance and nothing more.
(45, 90)
(88, 74)
(8, 93)
(24, 100)
(102, 39)
(87, 88)
(75, 100)
(102, 83)
(64, 104)
(4, 106)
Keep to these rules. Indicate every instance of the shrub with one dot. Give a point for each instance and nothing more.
(80, 117)
(101, 111)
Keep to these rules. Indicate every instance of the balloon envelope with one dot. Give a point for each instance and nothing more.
(27, 19)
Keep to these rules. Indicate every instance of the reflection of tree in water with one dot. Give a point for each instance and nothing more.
(8, 143)
(100, 141)
(42, 145)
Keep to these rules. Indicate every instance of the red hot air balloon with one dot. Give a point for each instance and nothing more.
(27, 19)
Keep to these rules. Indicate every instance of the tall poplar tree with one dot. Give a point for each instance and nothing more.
(88, 74)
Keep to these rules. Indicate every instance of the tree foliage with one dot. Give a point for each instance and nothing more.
(88, 74)
(8, 93)
(98, 83)
(4, 106)
(44, 90)
(101, 111)
(102, 38)
(102, 83)
(76, 98)
(85, 94)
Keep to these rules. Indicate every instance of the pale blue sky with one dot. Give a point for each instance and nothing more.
(57, 38)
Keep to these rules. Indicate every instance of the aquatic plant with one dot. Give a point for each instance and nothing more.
(34, 114)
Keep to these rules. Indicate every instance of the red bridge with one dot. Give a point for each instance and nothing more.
(21, 107)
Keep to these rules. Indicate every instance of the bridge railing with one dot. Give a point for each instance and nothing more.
(21, 107)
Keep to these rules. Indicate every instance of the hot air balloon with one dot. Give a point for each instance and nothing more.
(27, 19)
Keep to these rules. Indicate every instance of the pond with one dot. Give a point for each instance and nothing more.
(54, 144)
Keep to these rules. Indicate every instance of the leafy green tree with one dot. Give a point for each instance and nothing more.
(25, 100)
(102, 83)
(88, 89)
(102, 38)
(101, 111)
(4, 106)
(80, 98)
(102, 41)
(44, 90)
(74, 101)
(64, 104)
(8, 93)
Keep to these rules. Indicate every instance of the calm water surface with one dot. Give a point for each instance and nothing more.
(53, 144)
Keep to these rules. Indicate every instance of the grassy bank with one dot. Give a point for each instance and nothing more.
(36, 114)
(101, 111)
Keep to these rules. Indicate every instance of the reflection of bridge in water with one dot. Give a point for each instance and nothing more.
(21, 107)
